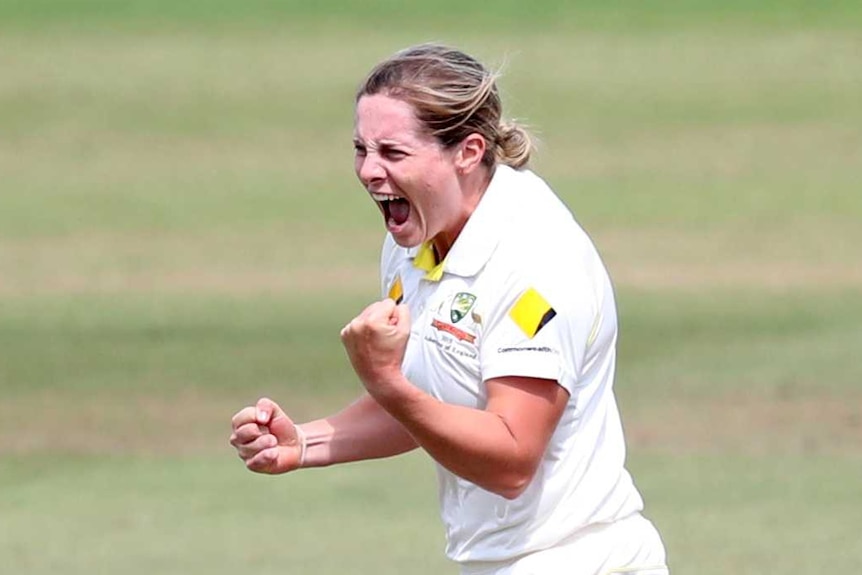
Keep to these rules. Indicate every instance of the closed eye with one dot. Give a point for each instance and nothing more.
(394, 154)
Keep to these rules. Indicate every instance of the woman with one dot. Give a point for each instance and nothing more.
(494, 347)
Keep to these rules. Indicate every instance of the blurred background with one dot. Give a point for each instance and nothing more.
(181, 232)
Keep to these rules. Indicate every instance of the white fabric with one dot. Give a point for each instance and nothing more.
(629, 546)
(521, 236)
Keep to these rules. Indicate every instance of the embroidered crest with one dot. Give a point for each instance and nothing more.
(462, 303)
(459, 334)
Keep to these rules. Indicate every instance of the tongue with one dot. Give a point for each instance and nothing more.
(399, 211)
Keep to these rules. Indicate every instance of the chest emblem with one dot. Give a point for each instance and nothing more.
(460, 306)
(462, 303)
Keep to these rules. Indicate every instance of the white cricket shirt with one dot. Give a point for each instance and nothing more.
(522, 292)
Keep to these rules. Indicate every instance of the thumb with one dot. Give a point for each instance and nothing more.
(401, 317)
(283, 428)
(264, 410)
(270, 414)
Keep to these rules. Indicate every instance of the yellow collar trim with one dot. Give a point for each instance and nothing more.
(426, 260)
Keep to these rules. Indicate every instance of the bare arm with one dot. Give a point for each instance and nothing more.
(269, 442)
(498, 448)
(362, 430)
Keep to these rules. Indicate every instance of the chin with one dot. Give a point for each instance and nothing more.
(406, 239)
(406, 242)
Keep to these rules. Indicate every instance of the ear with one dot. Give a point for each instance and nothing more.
(470, 153)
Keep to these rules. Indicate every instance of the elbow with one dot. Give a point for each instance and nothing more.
(510, 494)
(512, 486)
(515, 476)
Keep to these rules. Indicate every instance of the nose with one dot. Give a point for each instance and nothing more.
(369, 170)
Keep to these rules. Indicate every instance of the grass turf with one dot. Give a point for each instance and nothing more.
(180, 231)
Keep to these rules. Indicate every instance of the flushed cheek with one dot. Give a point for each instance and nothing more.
(432, 210)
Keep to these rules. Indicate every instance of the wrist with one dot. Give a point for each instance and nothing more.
(302, 440)
(396, 394)
(315, 437)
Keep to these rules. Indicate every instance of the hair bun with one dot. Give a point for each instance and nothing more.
(514, 144)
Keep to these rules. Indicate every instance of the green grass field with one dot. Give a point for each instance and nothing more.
(181, 232)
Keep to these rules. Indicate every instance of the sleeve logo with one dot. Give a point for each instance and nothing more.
(531, 312)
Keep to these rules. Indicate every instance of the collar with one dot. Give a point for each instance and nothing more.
(425, 259)
(478, 239)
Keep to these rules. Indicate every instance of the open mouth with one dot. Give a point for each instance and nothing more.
(395, 210)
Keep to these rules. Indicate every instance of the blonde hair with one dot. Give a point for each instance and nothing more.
(453, 95)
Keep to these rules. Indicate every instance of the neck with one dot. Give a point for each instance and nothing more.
(473, 186)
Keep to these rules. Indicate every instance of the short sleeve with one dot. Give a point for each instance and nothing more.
(540, 328)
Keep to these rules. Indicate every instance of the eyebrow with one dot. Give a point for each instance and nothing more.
(384, 144)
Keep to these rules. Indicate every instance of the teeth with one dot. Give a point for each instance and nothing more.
(383, 197)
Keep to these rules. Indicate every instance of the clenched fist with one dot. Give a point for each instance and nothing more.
(266, 438)
(375, 341)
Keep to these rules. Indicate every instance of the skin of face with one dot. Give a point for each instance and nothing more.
(395, 157)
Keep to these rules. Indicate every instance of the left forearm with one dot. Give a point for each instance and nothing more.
(476, 445)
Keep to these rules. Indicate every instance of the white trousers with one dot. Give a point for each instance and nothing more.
(630, 546)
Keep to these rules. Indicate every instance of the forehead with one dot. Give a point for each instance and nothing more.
(380, 117)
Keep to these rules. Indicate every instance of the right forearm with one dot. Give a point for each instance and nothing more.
(362, 430)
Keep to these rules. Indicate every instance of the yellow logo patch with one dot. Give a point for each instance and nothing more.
(531, 312)
(396, 291)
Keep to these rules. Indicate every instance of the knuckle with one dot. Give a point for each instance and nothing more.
(248, 454)
(240, 417)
